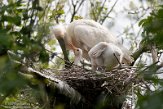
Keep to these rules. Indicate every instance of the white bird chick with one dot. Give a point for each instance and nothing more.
(106, 55)
(78, 56)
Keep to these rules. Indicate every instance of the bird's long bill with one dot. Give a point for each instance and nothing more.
(72, 46)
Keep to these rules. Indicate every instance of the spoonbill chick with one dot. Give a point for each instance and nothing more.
(78, 56)
(106, 55)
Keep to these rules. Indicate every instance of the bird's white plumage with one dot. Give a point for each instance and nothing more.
(59, 31)
(105, 55)
(85, 34)
(78, 56)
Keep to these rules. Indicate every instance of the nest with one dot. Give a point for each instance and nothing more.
(82, 87)
(90, 84)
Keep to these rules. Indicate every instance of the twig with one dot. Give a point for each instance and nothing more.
(93, 12)
(66, 61)
(154, 53)
(75, 8)
(102, 7)
(102, 21)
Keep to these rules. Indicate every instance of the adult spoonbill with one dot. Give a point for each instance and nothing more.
(85, 34)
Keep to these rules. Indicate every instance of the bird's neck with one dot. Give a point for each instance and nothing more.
(77, 60)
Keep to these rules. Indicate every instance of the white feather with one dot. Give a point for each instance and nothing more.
(108, 53)
(85, 34)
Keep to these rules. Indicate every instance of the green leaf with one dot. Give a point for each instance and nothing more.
(12, 19)
(160, 13)
(44, 56)
(141, 22)
(60, 12)
(39, 8)
(51, 42)
(78, 17)
(5, 39)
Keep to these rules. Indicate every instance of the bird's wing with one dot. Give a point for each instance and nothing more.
(97, 50)
(98, 53)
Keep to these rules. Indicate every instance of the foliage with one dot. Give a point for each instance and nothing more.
(99, 11)
(24, 31)
(153, 27)
(20, 41)
(152, 33)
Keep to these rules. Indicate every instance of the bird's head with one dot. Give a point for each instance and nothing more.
(78, 52)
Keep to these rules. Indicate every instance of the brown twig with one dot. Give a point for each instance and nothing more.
(75, 8)
(102, 21)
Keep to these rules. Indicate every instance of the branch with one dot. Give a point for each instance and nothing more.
(93, 12)
(154, 53)
(102, 21)
(51, 82)
(58, 7)
(138, 52)
(75, 8)
(143, 47)
(102, 7)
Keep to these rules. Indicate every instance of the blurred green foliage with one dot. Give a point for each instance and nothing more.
(153, 27)
(152, 34)
(23, 34)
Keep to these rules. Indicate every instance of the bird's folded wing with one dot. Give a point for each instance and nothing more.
(96, 52)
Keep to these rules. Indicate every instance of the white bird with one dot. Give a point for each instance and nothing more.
(78, 56)
(105, 55)
(85, 34)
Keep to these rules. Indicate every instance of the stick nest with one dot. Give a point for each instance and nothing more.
(86, 82)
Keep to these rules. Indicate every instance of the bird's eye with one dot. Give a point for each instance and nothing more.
(77, 50)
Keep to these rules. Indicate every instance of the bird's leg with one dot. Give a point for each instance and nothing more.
(85, 64)
(119, 61)
(82, 61)
(121, 58)
(94, 67)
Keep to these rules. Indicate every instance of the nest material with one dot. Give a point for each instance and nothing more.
(90, 84)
